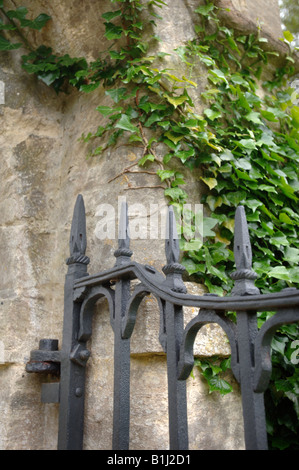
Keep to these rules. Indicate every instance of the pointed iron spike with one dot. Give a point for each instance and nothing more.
(172, 249)
(78, 230)
(242, 245)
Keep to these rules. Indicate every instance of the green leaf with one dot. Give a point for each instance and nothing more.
(269, 115)
(249, 144)
(205, 9)
(176, 100)
(117, 94)
(175, 193)
(38, 23)
(211, 114)
(278, 344)
(208, 224)
(295, 115)
(147, 157)
(125, 124)
(237, 79)
(288, 36)
(244, 176)
(111, 14)
(106, 110)
(6, 45)
(112, 31)
(174, 138)
(183, 155)
(165, 174)
(291, 255)
(190, 265)
(211, 182)
(20, 14)
(280, 272)
(220, 385)
(254, 117)
(253, 204)
(283, 217)
(216, 75)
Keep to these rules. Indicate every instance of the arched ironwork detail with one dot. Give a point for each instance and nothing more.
(204, 317)
(263, 363)
(87, 310)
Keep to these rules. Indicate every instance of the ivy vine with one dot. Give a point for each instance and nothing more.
(245, 142)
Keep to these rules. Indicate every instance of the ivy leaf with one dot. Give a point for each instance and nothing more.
(117, 94)
(253, 204)
(288, 36)
(291, 255)
(205, 9)
(244, 176)
(280, 272)
(165, 174)
(278, 344)
(113, 31)
(190, 266)
(38, 23)
(175, 193)
(147, 157)
(176, 100)
(20, 14)
(212, 114)
(111, 14)
(10, 27)
(106, 110)
(220, 385)
(248, 144)
(295, 115)
(216, 75)
(283, 217)
(183, 155)
(211, 182)
(125, 124)
(208, 224)
(269, 115)
(6, 45)
(254, 117)
(174, 138)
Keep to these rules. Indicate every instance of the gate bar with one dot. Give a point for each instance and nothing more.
(71, 410)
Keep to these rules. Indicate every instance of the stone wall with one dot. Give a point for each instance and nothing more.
(43, 168)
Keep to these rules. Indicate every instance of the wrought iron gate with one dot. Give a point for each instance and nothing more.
(250, 347)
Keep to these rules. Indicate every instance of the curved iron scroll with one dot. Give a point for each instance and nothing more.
(87, 310)
(263, 363)
(204, 317)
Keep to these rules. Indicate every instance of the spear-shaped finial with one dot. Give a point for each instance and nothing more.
(244, 276)
(78, 234)
(123, 253)
(173, 268)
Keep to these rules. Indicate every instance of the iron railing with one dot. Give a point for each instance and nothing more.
(250, 346)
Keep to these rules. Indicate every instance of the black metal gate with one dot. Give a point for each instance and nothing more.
(250, 347)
